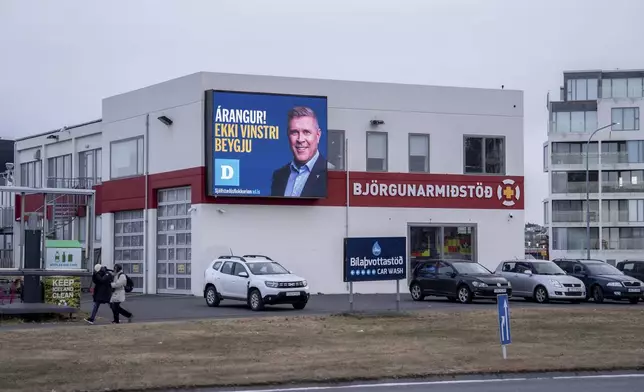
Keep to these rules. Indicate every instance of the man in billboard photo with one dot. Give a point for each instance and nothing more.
(305, 175)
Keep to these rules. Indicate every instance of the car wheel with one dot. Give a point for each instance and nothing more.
(464, 294)
(634, 300)
(416, 292)
(255, 300)
(299, 305)
(212, 297)
(541, 295)
(598, 295)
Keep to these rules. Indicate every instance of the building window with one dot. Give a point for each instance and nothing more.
(90, 167)
(546, 215)
(545, 158)
(98, 228)
(128, 244)
(623, 181)
(581, 89)
(575, 181)
(628, 119)
(574, 210)
(418, 153)
(627, 238)
(623, 88)
(484, 155)
(574, 122)
(336, 150)
(31, 174)
(59, 172)
(574, 238)
(377, 150)
(126, 158)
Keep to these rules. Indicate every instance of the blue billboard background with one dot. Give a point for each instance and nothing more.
(369, 259)
(251, 154)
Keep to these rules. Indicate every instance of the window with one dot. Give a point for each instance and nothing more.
(98, 229)
(629, 267)
(444, 269)
(581, 89)
(628, 119)
(623, 238)
(128, 245)
(126, 158)
(485, 155)
(238, 268)
(623, 181)
(216, 265)
(377, 150)
(618, 210)
(574, 153)
(418, 153)
(59, 172)
(545, 158)
(574, 122)
(622, 88)
(31, 174)
(574, 238)
(336, 151)
(227, 268)
(89, 167)
(546, 215)
(631, 151)
(574, 182)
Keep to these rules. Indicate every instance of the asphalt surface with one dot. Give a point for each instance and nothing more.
(150, 308)
(630, 382)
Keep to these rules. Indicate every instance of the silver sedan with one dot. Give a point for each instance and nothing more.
(541, 281)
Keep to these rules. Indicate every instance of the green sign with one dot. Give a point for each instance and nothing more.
(63, 290)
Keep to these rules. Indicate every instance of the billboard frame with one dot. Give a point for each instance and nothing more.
(208, 144)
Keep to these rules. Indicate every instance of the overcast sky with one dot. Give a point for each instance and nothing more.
(58, 59)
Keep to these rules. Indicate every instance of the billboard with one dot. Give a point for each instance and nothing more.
(266, 145)
(368, 259)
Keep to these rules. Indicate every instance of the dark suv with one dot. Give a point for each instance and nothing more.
(602, 280)
(633, 268)
(460, 280)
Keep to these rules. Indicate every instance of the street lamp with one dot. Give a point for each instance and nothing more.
(588, 187)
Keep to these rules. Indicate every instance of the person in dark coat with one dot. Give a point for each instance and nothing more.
(102, 280)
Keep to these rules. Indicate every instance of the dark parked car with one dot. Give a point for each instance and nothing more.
(456, 280)
(634, 268)
(602, 280)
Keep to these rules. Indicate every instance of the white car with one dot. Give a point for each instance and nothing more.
(541, 281)
(255, 279)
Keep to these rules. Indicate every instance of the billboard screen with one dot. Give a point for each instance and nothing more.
(266, 145)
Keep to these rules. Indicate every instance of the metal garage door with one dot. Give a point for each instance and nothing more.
(128, 245)
(174, 241)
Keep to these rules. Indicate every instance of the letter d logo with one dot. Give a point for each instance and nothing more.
(227, 172)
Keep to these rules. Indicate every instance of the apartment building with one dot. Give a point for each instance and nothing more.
(590, 100)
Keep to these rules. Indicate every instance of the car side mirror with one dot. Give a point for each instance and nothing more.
(452, 274)
(528, 272)
(243, 274)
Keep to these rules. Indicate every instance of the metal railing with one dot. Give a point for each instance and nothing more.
(614, 157)
(624, 244)
(579, 244)
(6, 258)
(574, 216)
(623, 188)
(574, 159)
(578, 187)
(73, 183)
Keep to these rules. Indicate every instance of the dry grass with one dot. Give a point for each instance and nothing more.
(275, 350)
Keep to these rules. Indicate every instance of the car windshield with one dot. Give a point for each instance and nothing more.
(470, 268)
(547, 269)
(603, 269)
(266, 268)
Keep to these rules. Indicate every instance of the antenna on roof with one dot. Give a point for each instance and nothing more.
(231, 251)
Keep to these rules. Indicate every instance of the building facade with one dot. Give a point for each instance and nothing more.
(441, 166)
(591, 100)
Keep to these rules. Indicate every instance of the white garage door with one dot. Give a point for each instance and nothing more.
(174, 241)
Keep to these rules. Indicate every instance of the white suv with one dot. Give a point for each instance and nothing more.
(256, 279)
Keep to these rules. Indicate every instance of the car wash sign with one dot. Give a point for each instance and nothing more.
(369, 259)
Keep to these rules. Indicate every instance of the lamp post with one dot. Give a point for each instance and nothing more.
(588, 187)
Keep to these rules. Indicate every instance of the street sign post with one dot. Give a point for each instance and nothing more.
(505, 335)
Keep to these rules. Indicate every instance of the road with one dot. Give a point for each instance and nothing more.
(631, 382)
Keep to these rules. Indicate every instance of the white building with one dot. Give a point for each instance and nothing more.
(156, 218)
(590, 100)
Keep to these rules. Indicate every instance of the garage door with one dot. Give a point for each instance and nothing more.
(128, 245)
(174, 241)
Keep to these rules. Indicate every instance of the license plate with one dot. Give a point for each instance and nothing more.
(500, 290)
(293, 294)
(633, 290)
(575, 289)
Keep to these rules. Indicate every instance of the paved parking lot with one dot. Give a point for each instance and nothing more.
(159, 307)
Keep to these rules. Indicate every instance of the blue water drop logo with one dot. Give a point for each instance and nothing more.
(375, 249)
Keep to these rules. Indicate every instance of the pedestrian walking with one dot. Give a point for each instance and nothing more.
(102, 280)
(118, 296)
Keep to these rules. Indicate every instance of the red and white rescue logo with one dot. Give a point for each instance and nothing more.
(509, 193)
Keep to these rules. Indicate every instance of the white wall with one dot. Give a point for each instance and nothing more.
(308, 240)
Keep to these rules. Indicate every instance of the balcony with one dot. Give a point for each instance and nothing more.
(577, 187)
(575, 245)
(574, 216)
(574, 159)
(73, 183)
(612, 158)
(623, 188)
(624, 244)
